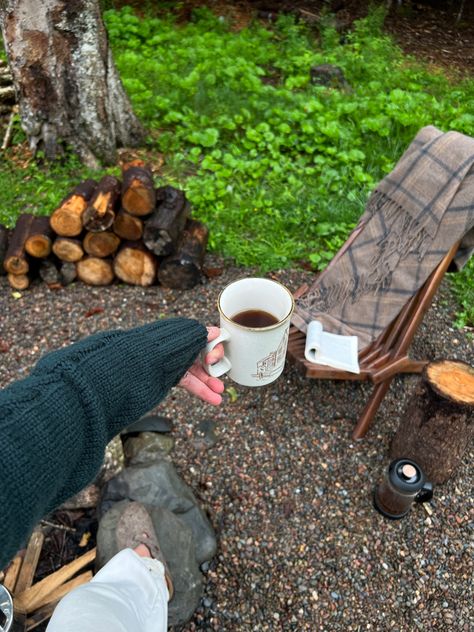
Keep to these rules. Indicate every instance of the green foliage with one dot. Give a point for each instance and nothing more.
(278, 167)
(463, 286)
(37, 188)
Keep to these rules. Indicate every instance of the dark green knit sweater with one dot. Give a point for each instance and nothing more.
(55, 424)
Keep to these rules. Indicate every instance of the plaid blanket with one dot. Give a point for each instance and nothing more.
(412, 218)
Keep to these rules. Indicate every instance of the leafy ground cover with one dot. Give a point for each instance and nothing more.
(278, 167)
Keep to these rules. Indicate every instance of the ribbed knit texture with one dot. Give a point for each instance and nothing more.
(55, 424)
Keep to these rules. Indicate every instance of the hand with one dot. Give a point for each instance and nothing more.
(197, 382)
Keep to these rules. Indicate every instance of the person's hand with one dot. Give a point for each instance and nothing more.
(197, 382)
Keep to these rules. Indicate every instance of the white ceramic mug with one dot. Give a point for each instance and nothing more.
(254, 356)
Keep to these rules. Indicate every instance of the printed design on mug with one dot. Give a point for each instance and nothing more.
(270, 364)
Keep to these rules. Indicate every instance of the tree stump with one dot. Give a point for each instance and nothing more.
(438, 423)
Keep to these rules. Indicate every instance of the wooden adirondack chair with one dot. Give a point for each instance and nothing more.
(387, 356)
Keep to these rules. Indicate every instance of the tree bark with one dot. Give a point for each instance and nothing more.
(183, 270)
(438, 424)
(67, 86)
(66, 220)
(162, 230)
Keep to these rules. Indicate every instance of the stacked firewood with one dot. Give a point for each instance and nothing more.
(113, 229)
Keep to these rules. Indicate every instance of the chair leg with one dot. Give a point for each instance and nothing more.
(370, 409)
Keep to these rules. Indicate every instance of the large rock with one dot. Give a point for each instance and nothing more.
(177, 544)
(159, 485)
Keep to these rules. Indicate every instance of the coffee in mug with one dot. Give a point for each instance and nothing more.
(255, 318)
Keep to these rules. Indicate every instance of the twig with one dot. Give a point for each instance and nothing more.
(9, 131)
(62, 527)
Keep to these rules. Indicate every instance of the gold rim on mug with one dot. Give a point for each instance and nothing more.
(280, 321)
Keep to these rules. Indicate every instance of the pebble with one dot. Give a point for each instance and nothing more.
(318, 559)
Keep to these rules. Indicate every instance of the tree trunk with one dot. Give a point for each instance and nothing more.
(67, 86)
(438, 423)
(183, 269)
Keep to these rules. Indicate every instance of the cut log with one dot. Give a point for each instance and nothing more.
(138, 191)
(183, 269)
(40, 238)
(68, 249)
(68, 272)
(19, 281)
(438, 424)
(162, 230)
(95, 271)
(100, 212)
(101, 244)
(66, 220)
(128, 227)
(135, 264)
(49, 272)
(16, 260)
(4, 237)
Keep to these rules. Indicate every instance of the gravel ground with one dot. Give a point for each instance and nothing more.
(300, 546)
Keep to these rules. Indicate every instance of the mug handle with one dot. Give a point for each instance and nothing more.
(223, 365)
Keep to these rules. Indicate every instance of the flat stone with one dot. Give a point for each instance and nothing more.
(150, 423)
(178, 548)
(147, 447)
(159, 485)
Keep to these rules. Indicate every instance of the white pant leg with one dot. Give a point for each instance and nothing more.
(129, 594)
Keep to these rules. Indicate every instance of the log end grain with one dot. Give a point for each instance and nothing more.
(95, 271)
(135, 266)
(452, 379)
(38, 246)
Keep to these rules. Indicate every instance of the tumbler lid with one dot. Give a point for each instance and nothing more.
(406, 476)
(6, 609)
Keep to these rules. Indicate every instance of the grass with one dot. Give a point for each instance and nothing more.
(278, 167)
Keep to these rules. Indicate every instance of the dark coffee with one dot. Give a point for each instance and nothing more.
(254, 318)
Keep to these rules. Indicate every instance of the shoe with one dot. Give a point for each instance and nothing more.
(135, 527)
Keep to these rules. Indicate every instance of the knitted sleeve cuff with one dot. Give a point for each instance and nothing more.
(124, 374)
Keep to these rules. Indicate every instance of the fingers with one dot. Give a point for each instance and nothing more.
(214, 383)
(203, 390)
(218, 352)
